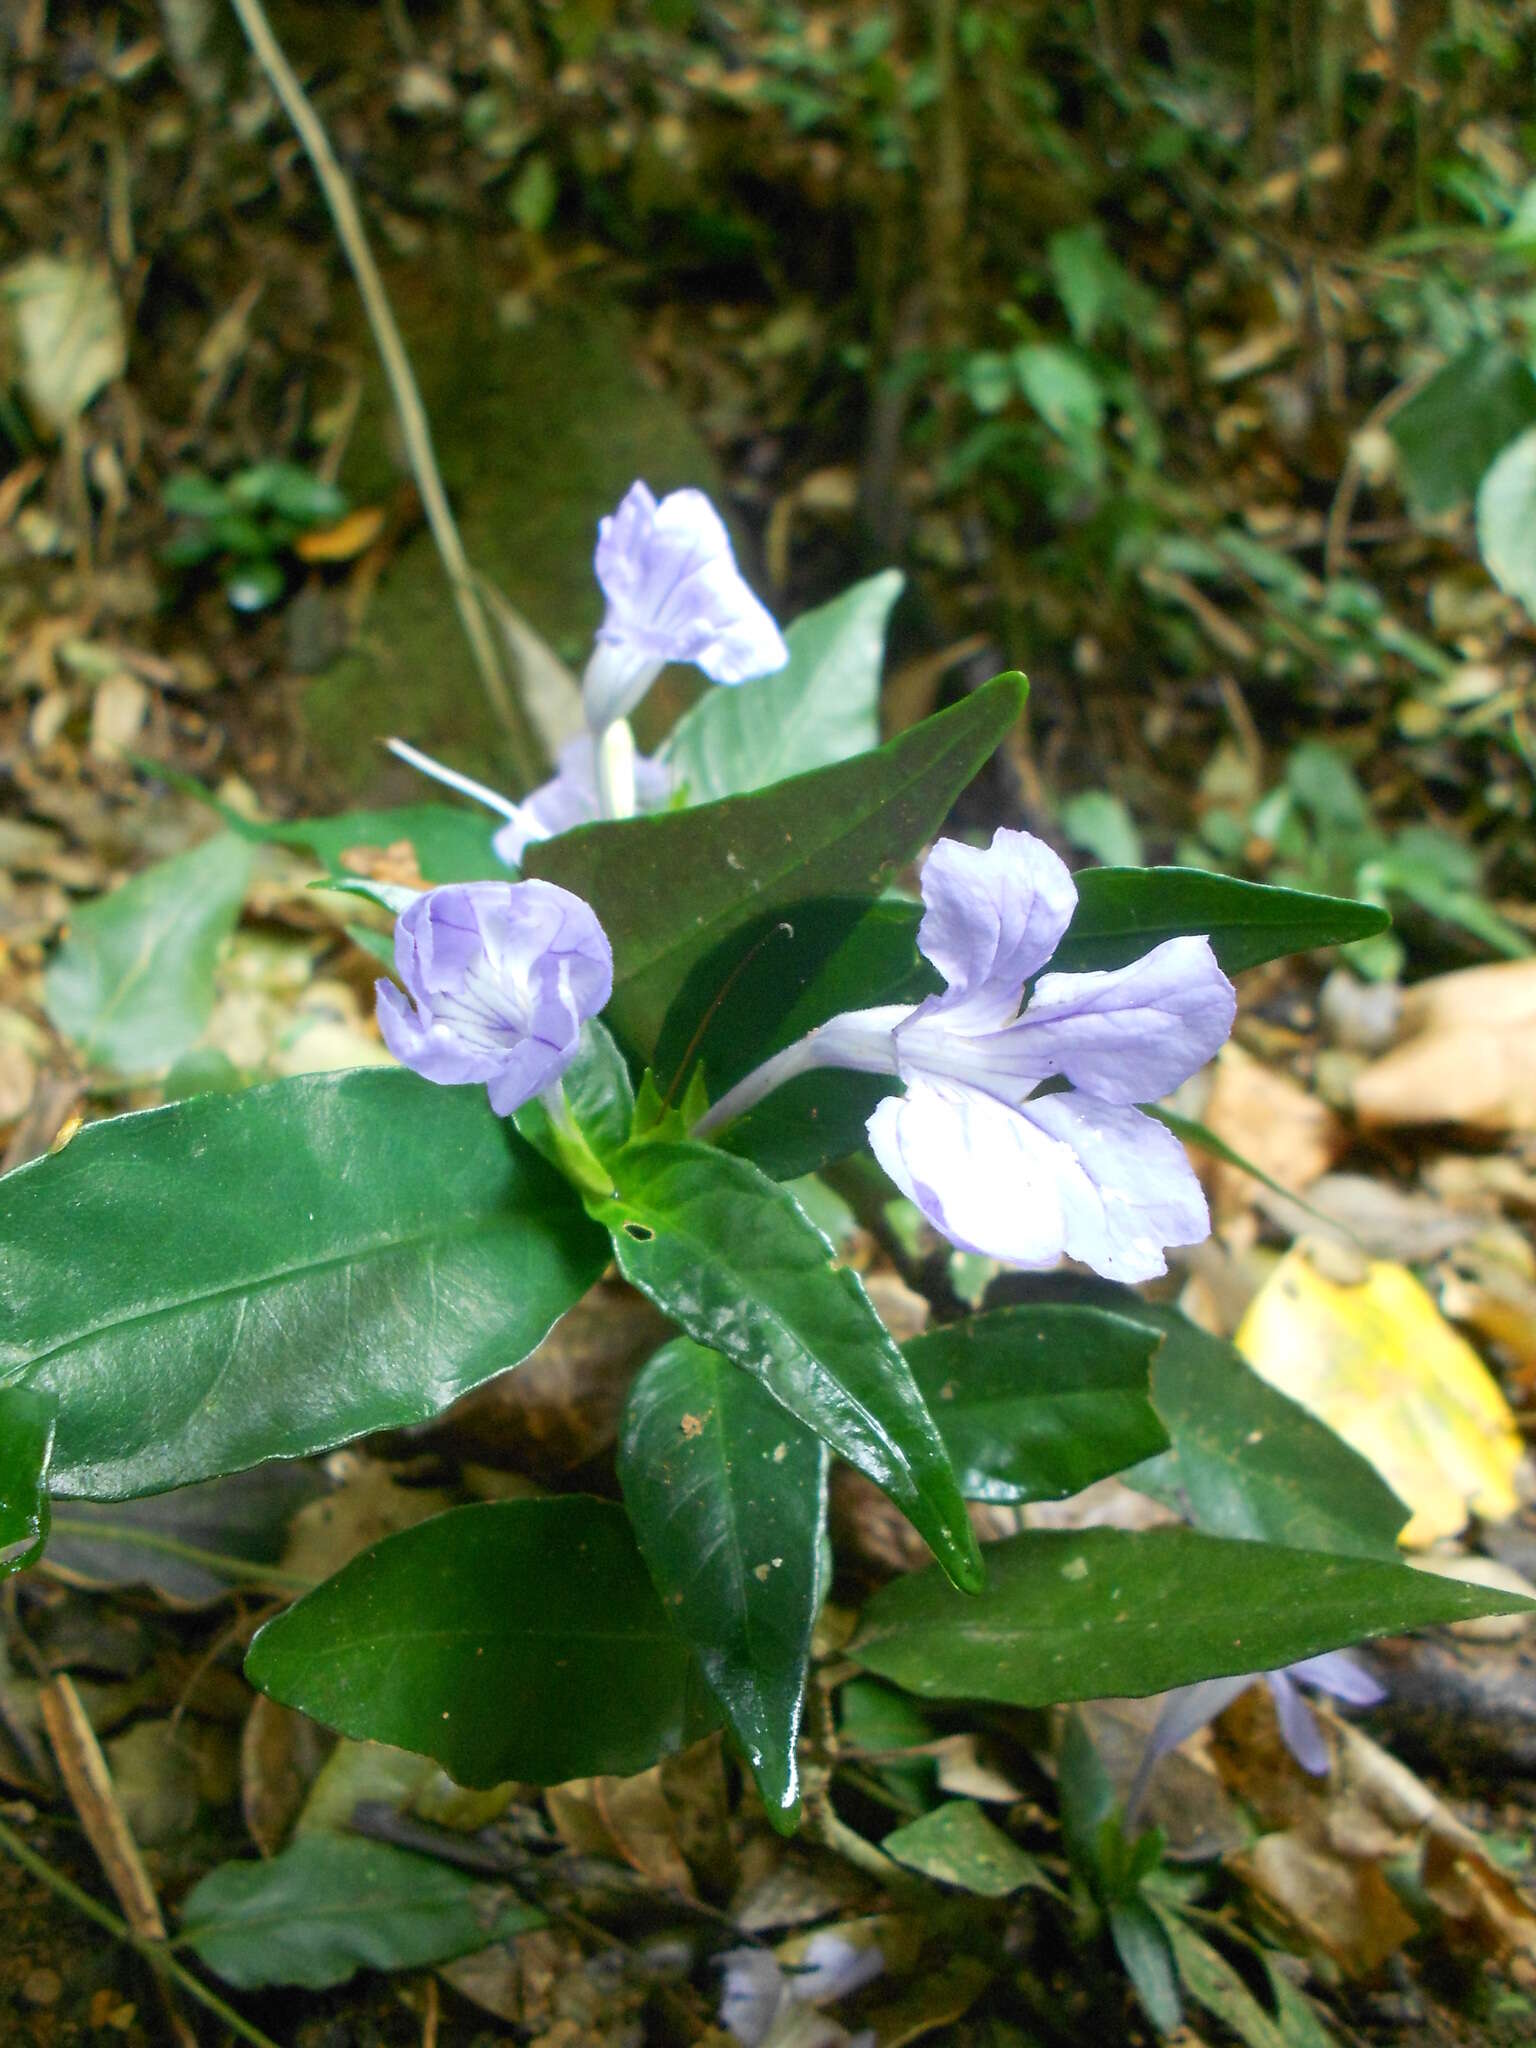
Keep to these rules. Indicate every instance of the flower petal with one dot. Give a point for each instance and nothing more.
(1336, 1672)
(1191, 1707)
(675, 593)
(1134, 1033)
(1298, 1724)
(569, 798)
(985, 1178)
(993, 916)
(1135, 1193)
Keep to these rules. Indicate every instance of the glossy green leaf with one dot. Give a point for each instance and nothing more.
(331, 1905)
(132, 984)
(728, 1497)
(1251, 1463)
(512, 1639)
(1449, 432)
(26, 1444)
(1099, 1613)
(735, 1260)
(1037, 1403)
(1124, 912)
(1506, 520)
(261, 1275)
(600, 1094)
(671, 889)
(956, 1844)
(823, 706)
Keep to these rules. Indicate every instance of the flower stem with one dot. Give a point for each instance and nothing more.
(580, 1163)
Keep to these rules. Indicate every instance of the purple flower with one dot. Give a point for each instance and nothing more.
(674, 594)
(503, 975)
(568, 799)
(1192, 1706)
(1023, 1177)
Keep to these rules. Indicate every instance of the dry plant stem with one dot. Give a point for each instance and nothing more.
(414, 425)
(153, 1952)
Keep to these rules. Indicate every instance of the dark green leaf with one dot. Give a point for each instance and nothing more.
(292, 492)
(1037, 1403)
(670, 889)
(191, 1544)
(239, 1277)
(331, 1905)
(513, 1639)
(1087, 1801)
(734, 1259)
(1124, 912)
(26, 1444)
(1251, 1463)
(191, 496)
(956, 1844)
(1212, 1982)
(1448, 433)
(728, 1499)
(1143, 1948)
(132, 984)
(823, 706)
(1099, 1613)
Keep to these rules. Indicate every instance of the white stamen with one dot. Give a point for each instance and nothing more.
(452, 779)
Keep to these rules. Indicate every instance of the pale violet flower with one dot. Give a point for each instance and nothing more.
(763, 2005)
(1193, 1706)
(1023, 1177)
(674, 593)
(567, 800)
(500, 977)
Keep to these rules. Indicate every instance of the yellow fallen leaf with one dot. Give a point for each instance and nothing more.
(1381, 1366)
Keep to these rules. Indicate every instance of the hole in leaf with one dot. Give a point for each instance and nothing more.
(640, 1232)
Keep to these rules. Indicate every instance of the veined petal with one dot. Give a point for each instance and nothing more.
(1135, 1194)
(1134, 1033)
(984, 1177)
(993, 916)
(1298, 1724)
(675, 593)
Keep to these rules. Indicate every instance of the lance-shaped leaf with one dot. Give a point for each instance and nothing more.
(263, 1275)
(1100, 1613)
(735, 1260)
(26, 1443)
(512, 1639)
(1037, 1403)
(450, 842)
(1125, 912)
(331, 1905)
(671, 889)
(728, 1499)
(822, 706)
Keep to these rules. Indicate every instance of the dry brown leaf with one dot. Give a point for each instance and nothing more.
(1271, 1120)
(1469, 1057)
(280, 1757)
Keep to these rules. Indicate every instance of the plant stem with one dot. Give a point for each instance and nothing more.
(154, 1953)
(522, 743)
(169, 1546)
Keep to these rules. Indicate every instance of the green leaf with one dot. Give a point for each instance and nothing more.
(262, 1275)
(672, 888)
(251, 586)
(823, 706)
(1100, 1613)
(1506, 520)
(132, 984)
(1101, 825)
(728, 1498)
(290, 491)
(26, 1444)
(331, 1905)
(1212, 1982)
(1448, 433)
(1143, 1948)
(1037, 1403)
(451, 842)
(191, 496)
(1061, 385)
(1090, 280)
(1124, 912)
(1251, 1463)
(956, 1844)
(735, 1260)
(601, 1097)
(512, 1639)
